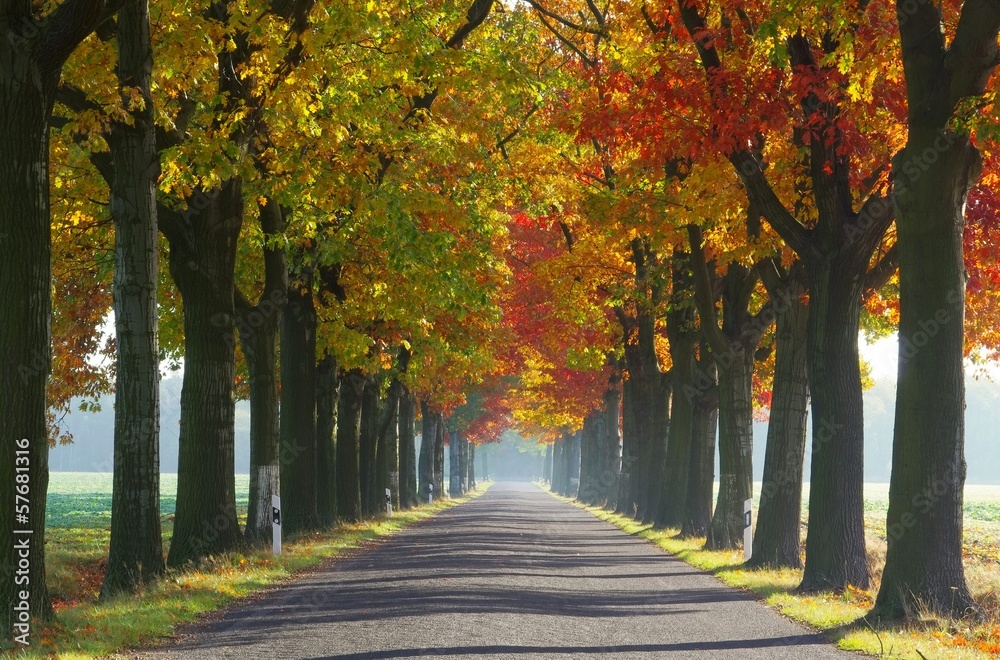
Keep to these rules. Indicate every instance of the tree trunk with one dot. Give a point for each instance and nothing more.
(472, 466)
(370, 500)
(682, 332)
(776, 538)
(439, 457)
(455, 460)
(258, 329)
(352, 384)
(674, 492)
(136, 552)
(923, 565)
(588, 457)
(610, 439)
(299, 510)
(704, 426)
(327, 394)
(387, 450)
(464, 464)
(571, 455)
(658, 447)
(630, 450)
(558, 466)
(835, 539)
(389, 469)
(428, 434)
(32, 53)
(732, 347)
(203, 266)
(649, 421)
(407, 451)
(546, 464)
(25, 334)
(735, 448)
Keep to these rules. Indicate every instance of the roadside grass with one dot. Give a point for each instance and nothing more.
(76, 561)
(841, 616)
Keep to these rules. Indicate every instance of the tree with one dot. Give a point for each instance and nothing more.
(837, 248)
(299, 492)
(32, 55)
(934, 173)
(776, 538)
(136, 553)
(257, 324)
(733, 345)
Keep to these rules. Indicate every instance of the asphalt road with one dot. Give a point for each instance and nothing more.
(511, 574)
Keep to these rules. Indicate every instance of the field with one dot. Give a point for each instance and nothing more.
(83, 499)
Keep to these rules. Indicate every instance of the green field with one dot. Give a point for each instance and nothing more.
(83, 499)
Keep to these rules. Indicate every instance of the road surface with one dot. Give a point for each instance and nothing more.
(512, 574)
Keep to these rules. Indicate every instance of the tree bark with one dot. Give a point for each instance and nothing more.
(571, 455)
(547, 464)
(202, 263)
(389, 442)
(588, 457)
(327, 395)
(472, 466)
(924, 524)
(32, 53)
(610, 439)
(387, 451)
(258, 331)
(352, 384)
(705, 424)
(558, 466)
(298, 410)
(136, 552)
(463, 467)
(428, 435)
(735, 450)
(626, 504)
(933, 176)
(370, 404)
(776, 538)
(455, 460)
(835, 541)
(652, 393)
(407, 451)
(439, 457)
(732, 347)
(682, 333)
(682, 434)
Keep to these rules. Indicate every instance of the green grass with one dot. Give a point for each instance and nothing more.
(840, 616)
(76, 561)
(83, 499)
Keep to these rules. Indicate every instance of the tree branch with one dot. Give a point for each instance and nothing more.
(564, 21)
(703, 295)
(67, 26)
(882, 271)
(972, 55)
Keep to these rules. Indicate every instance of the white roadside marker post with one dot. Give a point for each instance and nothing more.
(747, 530)
(275, 525)
(388, 502)
(430, 493)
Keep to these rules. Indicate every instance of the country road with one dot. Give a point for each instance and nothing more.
(511, 574)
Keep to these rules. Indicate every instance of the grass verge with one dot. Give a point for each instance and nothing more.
(837, 615)
(84, 627)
